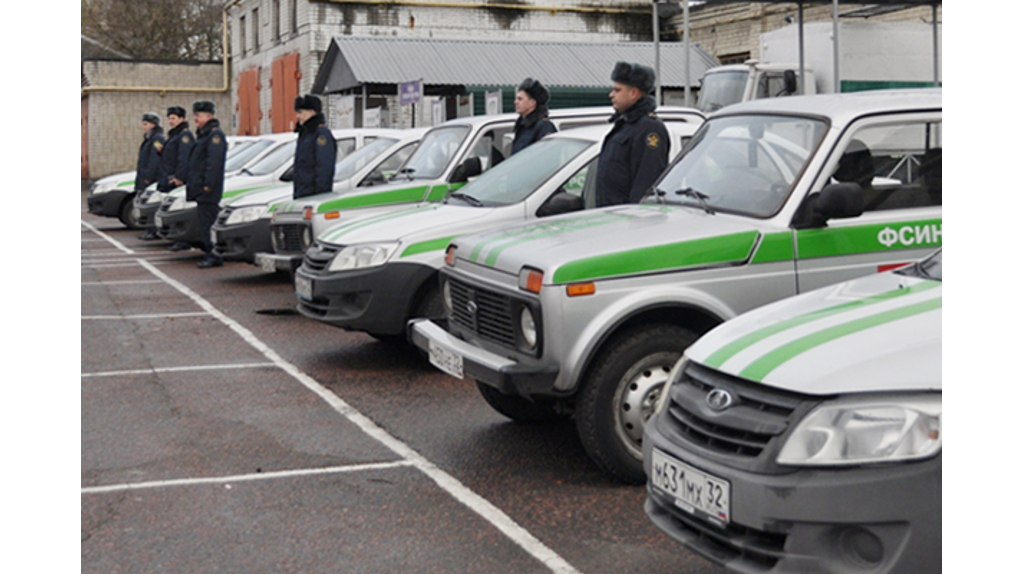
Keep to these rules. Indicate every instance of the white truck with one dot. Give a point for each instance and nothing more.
(872, 56)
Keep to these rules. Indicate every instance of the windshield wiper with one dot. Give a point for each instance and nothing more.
(701, 197)
(467, 198)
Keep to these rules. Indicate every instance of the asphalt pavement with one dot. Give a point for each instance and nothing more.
(223, 432)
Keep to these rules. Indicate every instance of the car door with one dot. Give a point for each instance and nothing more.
(897, 161)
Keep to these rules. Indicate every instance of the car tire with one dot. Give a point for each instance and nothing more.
(126, 214)
(519, 409)
(619, 394)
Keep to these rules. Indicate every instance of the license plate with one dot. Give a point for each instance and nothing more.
(158, 221)
(445, 359)
(694, 491)
(267, 265)
(303, 287)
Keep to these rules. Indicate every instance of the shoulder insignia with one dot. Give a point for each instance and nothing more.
(184, 139)
(158, 145)
(321, 140)
(216, 139)
(653, 141)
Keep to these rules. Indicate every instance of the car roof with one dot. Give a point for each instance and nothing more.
(842, 108)
(342, 132)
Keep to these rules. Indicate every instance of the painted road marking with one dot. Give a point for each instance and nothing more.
(135, 282)
(134, 317)
(109, 239)
(156, 370)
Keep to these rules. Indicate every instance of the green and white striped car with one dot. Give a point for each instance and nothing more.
(833, 397)
(587, 313)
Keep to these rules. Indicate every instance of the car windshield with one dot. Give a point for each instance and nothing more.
(721, 89)
(514, 179)
(358, 159)
(240, 155)
(742, 164)
(434, 153)
(928, 268)
(273, 160)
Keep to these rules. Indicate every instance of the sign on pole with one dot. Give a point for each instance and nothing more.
(346, 112)
(410, 92)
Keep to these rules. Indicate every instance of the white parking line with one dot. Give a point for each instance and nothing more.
(476, 503)
(134, 317)
(136, 282)
(227, 480)
(155, 370)
(109, 239)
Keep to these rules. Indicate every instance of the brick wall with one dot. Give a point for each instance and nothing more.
(115, 117)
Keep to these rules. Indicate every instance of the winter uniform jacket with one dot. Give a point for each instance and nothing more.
(174, 157)
(531, 127)
(633, 155)
(206, 165)
(147, 169)
(315, 155)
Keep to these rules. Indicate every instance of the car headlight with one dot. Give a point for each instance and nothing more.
(177, 204)
(246, 214)
(446, 294)
(156, 197)
(867, 430)
(98, 188)
(363, 256)
(528, 327)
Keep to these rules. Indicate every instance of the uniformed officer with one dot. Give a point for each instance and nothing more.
(205, 184)
(147, 169)
(635, 151)
(173, 157)
(532, 107)
(315, 151)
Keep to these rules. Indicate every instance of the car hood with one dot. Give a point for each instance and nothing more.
(260, 196)
(422, 222)
(616, 241)
(123, 179)
(878, 333)
(236, 186)
(392, 193)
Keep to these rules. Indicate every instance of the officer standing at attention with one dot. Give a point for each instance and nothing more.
(315, 151)
(174, 157)
(205, 184)
(635, 151)
(147, 169)
(532, 123)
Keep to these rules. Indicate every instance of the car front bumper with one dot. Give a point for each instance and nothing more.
(376, 300)
(144, 213)
(880, 518)
(506, 375)
(108, 204)
(242, 241)
(182, 225)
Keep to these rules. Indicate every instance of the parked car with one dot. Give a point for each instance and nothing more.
(177, 219)
(374, 273)
(806, 435)
(242, 229)
(586, 313)
(450, 155)
(114, 195)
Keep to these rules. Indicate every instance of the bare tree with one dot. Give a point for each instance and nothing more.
(156, 29)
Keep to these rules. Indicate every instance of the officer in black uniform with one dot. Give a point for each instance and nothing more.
(315, 151)
(173, 157)
(205, 184)
(532, 107)
(147, 169)
(635, 151)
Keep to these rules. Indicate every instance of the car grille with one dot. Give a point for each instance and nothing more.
(222, 217)
(492, 319)
(288, 237)
(743, 431)
(319, 256)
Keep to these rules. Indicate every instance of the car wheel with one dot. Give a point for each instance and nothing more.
(517, 408)
(619, 395)
(126, 216)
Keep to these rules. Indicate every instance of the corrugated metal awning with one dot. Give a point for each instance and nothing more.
(352, 62)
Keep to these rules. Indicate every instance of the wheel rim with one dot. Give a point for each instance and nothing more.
(636, 397)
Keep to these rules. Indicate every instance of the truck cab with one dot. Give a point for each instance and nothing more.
(751, 80)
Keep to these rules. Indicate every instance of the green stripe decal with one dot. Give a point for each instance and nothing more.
(126, 183)
(426, 246)
(406, 195)
(775, 247)
(839, 241)
(532, 232)
(760, 368)
(719, 357)
(364, 221)
(237, 192)
(711, 250)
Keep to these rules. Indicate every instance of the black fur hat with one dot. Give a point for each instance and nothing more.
(203, 106)
(535, 90)
(308, 102)
(637, 75)
(176, 111)
(151, 118)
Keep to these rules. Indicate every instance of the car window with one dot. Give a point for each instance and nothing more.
(387, 168)
(345, 147)
(236, 160)
(432, 156)
(491, 147)
(351, 163)
(897, 164)
(273, 160)
(518, 177)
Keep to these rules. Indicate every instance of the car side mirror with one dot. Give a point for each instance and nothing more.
(467, 169)
(288, 174)
(560, 202)
(839, 200)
